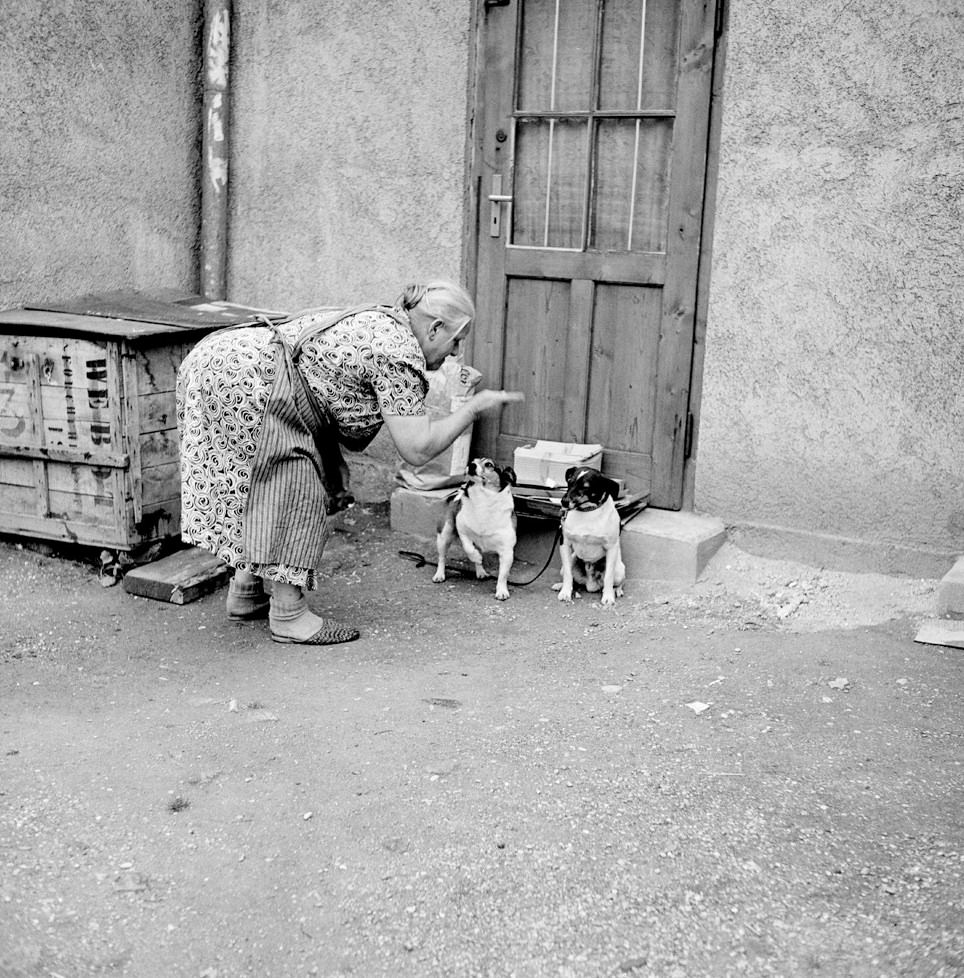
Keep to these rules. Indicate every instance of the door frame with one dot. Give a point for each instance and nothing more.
(475, 212)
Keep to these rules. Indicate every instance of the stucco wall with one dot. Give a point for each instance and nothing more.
(99, 131)
(832, 413)
(348, 158)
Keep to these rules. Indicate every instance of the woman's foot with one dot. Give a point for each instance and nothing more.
(247, 600)
(291, 622)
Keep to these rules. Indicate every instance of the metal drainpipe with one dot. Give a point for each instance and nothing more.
(214, 148)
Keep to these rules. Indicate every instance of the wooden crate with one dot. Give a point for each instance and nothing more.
(88, 425)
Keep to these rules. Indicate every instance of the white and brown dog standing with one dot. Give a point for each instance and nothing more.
(590, 551)
(482, 513)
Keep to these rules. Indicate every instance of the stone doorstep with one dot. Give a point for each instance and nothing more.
(950, 592)
(657, 544)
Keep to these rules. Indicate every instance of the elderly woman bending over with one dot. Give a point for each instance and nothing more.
(262, 412)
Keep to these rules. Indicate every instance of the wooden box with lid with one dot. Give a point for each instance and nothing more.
(88, 424)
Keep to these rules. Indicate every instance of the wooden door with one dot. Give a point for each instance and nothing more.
(590, 159)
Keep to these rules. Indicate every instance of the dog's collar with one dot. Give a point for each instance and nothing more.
(586, 509)
(596, 508)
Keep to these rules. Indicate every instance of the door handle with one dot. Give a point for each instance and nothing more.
(496, 200)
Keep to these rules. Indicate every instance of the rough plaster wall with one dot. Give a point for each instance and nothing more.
(348, 148)
(99, 134)
(348, 158)
(832, 397)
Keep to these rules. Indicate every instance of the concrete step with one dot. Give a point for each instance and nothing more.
(950, 592)
(657, 544)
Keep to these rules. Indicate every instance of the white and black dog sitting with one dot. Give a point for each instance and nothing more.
(482, 513)
(590, 551)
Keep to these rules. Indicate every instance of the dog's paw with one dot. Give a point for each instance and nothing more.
(480, 572)
(501, 594)
(608, 599)
(438, 576)
(565, 593)
(557, 586)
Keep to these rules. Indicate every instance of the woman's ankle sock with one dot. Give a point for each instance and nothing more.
(290, 616)
(246, 598)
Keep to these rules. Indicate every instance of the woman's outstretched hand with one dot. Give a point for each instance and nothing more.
(420, 437)
(485, 400)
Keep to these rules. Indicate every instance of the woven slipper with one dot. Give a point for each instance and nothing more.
(330, 633)
(257, 608)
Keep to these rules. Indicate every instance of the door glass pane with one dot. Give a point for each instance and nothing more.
(577, 23)
(631, 188)
(619, 70)
(549, 186)
(626, 80)
(555, 70)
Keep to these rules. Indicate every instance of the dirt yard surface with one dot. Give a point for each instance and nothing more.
(758, 775)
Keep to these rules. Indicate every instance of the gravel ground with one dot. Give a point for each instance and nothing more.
(757, 775)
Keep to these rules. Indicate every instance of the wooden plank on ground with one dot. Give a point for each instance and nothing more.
(180, 578)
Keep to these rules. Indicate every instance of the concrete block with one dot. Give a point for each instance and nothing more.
(950, 592)
(661, 545)
(416, 514)
(941, 632)
(657, 544)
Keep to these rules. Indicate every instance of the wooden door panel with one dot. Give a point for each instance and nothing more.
(594, 266)
(622, 381)
(594, 122)
(684, 223)
(535, 355)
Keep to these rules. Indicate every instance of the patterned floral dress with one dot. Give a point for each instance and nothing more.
(363, 368)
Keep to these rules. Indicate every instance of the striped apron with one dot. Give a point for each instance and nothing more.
(299, 474)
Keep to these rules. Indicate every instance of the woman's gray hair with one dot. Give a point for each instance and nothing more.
(441, 300)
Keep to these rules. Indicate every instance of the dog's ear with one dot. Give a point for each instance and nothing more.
(508, 476)
(611, 487)
(571, 472)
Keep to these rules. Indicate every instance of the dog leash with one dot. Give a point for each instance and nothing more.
(420, 561)
(629, 511)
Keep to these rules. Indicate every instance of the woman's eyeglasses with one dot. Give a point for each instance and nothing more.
(459, 334)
